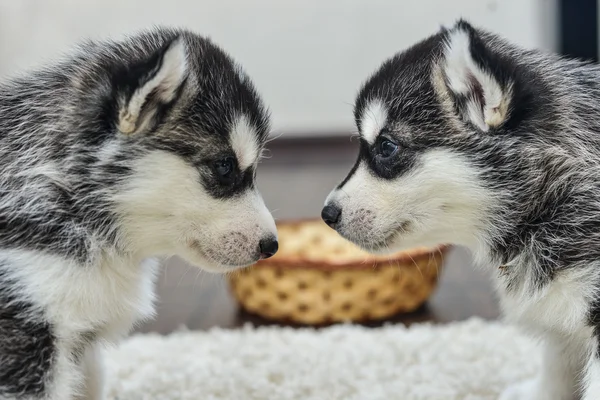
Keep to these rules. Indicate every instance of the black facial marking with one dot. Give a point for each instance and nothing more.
(362, 155)
(391, 167)
(222, 187)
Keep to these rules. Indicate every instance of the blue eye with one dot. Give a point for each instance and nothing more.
(224, 167)
(387, 148)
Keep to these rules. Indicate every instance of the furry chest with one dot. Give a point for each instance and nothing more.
(539, 308)
(114, 302)
(106, 299)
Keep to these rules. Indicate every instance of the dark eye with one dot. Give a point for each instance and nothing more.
(387, 148)
(224, 167)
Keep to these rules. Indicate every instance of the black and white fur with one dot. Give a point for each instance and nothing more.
(468, 139)
(121, 152)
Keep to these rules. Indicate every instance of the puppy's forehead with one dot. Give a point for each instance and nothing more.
(373, 120)
(245, 142)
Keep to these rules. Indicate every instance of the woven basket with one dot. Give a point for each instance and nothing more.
(317, 277)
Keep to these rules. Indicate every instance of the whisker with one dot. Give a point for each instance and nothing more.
(270, 139)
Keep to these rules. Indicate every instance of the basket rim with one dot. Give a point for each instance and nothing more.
(406, 256)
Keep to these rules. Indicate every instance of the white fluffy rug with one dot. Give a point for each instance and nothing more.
(467, 360)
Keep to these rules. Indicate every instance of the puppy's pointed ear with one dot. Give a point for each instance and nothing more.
(151, 86)
(473, 74)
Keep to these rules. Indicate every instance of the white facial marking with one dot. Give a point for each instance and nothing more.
(244, 143)
(373, 120)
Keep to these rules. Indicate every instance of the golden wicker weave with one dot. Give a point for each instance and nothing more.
(317, 277)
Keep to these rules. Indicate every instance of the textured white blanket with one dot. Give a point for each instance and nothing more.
(469, 360)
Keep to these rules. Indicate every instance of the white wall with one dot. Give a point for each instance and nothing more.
(307, 57)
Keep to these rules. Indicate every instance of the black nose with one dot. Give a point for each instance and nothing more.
(331, 214)
(268, 247)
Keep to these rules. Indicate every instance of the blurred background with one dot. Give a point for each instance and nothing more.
(307, 58)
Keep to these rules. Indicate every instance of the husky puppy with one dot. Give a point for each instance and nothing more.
(466, 138)
(119, 153)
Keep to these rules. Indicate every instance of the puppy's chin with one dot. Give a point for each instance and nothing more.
(415, 239)
(367, 241)
(215, 264)
(216, 267)
(389, 246)
(393, 242)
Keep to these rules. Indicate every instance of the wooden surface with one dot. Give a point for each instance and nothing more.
(294, 181)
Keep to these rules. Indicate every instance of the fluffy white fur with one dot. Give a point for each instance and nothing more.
(117, 294)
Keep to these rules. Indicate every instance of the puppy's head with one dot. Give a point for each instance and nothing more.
(180, 130)
(441, 126)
